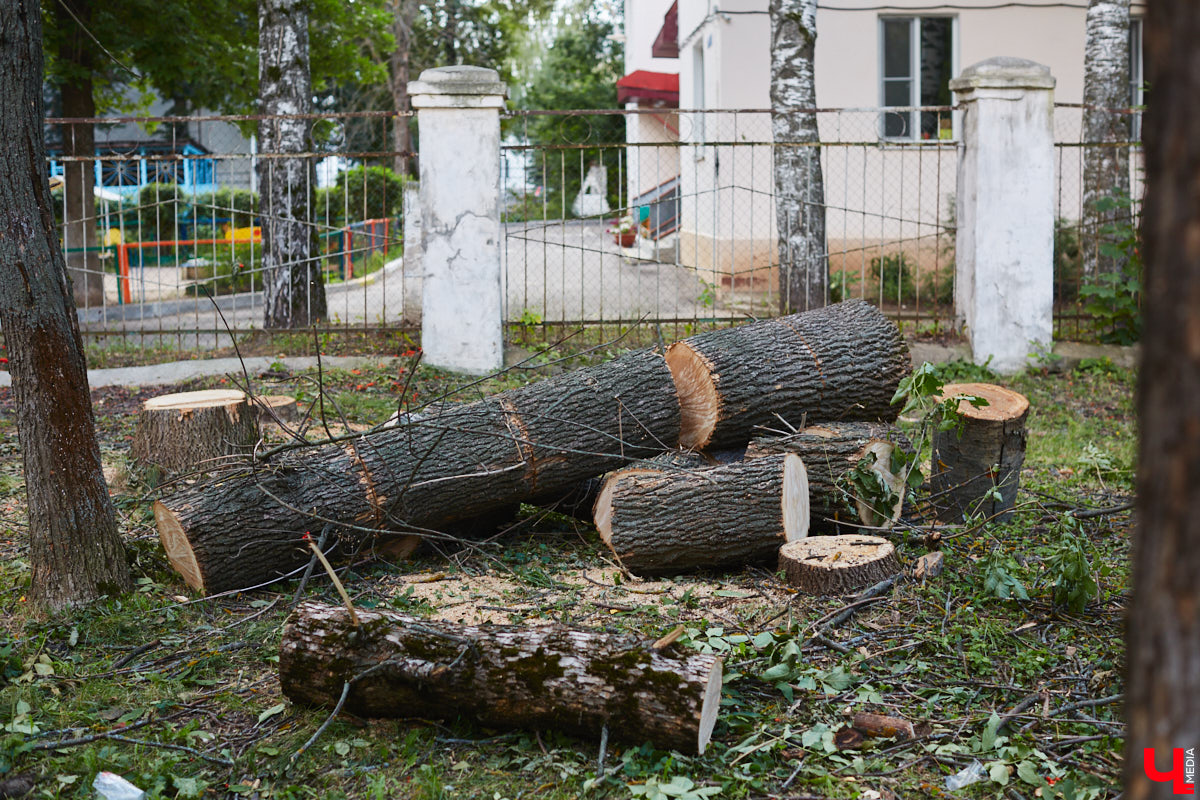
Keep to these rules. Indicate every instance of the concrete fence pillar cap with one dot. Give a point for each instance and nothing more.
(458, 80)
(1004, 72)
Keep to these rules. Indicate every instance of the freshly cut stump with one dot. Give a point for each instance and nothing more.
(189, 430)
(276, 408)
(831, 453)
(837, 564)
(661, 521)
(841, 362)
(542, 676)
(247, 527)
(988, 454)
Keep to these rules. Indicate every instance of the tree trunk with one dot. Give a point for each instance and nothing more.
(542, 676)
(985, 455)
(843, 362)
(824, 565)
(799, 184)
(293, 287)
(659, 521)
(179, 432)
(1105, 87)
(838, 488)
(247, 527)
(74, 546)
(1163, 624)
(404, 13)
(84, 267)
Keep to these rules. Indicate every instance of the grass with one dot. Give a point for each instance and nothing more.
(190, 685)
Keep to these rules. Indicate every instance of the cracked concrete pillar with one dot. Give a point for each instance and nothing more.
(1004, 248)
(458, 117)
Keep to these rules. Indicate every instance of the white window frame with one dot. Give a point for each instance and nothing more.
(914, 74)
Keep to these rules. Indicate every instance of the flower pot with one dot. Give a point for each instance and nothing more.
(625, 238)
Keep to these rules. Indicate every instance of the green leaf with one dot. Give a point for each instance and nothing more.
(272, 711)
(1027, 771)
(998, 772)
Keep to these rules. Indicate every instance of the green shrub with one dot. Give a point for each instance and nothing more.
(159, 206)
(1114, 299)
(361, 193)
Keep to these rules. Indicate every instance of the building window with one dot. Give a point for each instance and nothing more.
(917, 62)
(1137, 78)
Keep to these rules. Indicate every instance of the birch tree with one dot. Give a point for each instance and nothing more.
(1162, 703)
(293, 289)
(799, 186)
(74, 547)
(1105, 86)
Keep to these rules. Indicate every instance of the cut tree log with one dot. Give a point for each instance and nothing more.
(850, 474)
(188, 430)
(841, 362)
(542, 676)
(987, 454)
(580, 500)
(276, 408)
(823, 565)
(247, 527)
(662, 521)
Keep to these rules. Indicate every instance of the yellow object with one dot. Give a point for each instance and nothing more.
(246, 234)
(113, 236)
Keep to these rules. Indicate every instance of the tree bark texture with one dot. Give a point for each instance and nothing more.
(1162, 701)
(293, 287)
(986, 454)
(543, 676)
(799, 183)
(831, 451)
(665, 521)
(84, 267)
(1105, 87)
(580, 500)
(247, 526)
(842, 362)
(404, 14)
(822, 565)
(74, 547)
(189, 430)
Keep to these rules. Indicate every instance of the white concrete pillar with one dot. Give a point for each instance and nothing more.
(413, 272)
(458, 116)
(1004, 250)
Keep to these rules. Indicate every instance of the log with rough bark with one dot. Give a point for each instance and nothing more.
(247, 527)
(851, 472)
(543, 676)
(580, 500)
(662, 521)
(277, 408)
(837, 564)
(842, 362)
(179, 432)
(985, 455)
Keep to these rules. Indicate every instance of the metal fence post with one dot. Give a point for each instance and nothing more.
(1004, 250)
(458, 116)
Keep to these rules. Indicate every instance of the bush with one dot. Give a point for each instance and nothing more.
(159, 207)
(237, 207)
(361, 193)
(232, 270)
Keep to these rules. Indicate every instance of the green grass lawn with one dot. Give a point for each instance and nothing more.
(180, 694)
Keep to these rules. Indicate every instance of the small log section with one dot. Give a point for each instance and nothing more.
(188, 430)
(831, 450)
(662, 521)
(247, 527)
(840, 362)
(580, 500)
(541, 676)
(988, 454)
(276, 408)
(824, 565)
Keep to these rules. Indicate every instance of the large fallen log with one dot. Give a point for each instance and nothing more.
(543, 676)
(669, 520)
(841, 362)
(851, 472)
(248, 526)
(187, 430)
(985, 455)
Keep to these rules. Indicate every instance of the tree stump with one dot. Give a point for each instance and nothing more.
(276, 408)
(179, 432)
(837, 564)
(850, 470)
(986, 455)
(841, 362)
(542, 676)
(662, 521)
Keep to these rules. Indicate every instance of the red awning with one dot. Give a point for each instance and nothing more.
(666, 44)
(655, 88)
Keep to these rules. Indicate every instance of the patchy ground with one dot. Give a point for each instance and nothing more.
(179, 694)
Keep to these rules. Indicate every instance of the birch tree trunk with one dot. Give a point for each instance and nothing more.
(1105, 86)
(799, 186)
(1162, 703)
(404, 13)
(74, 547)
(294, 293)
